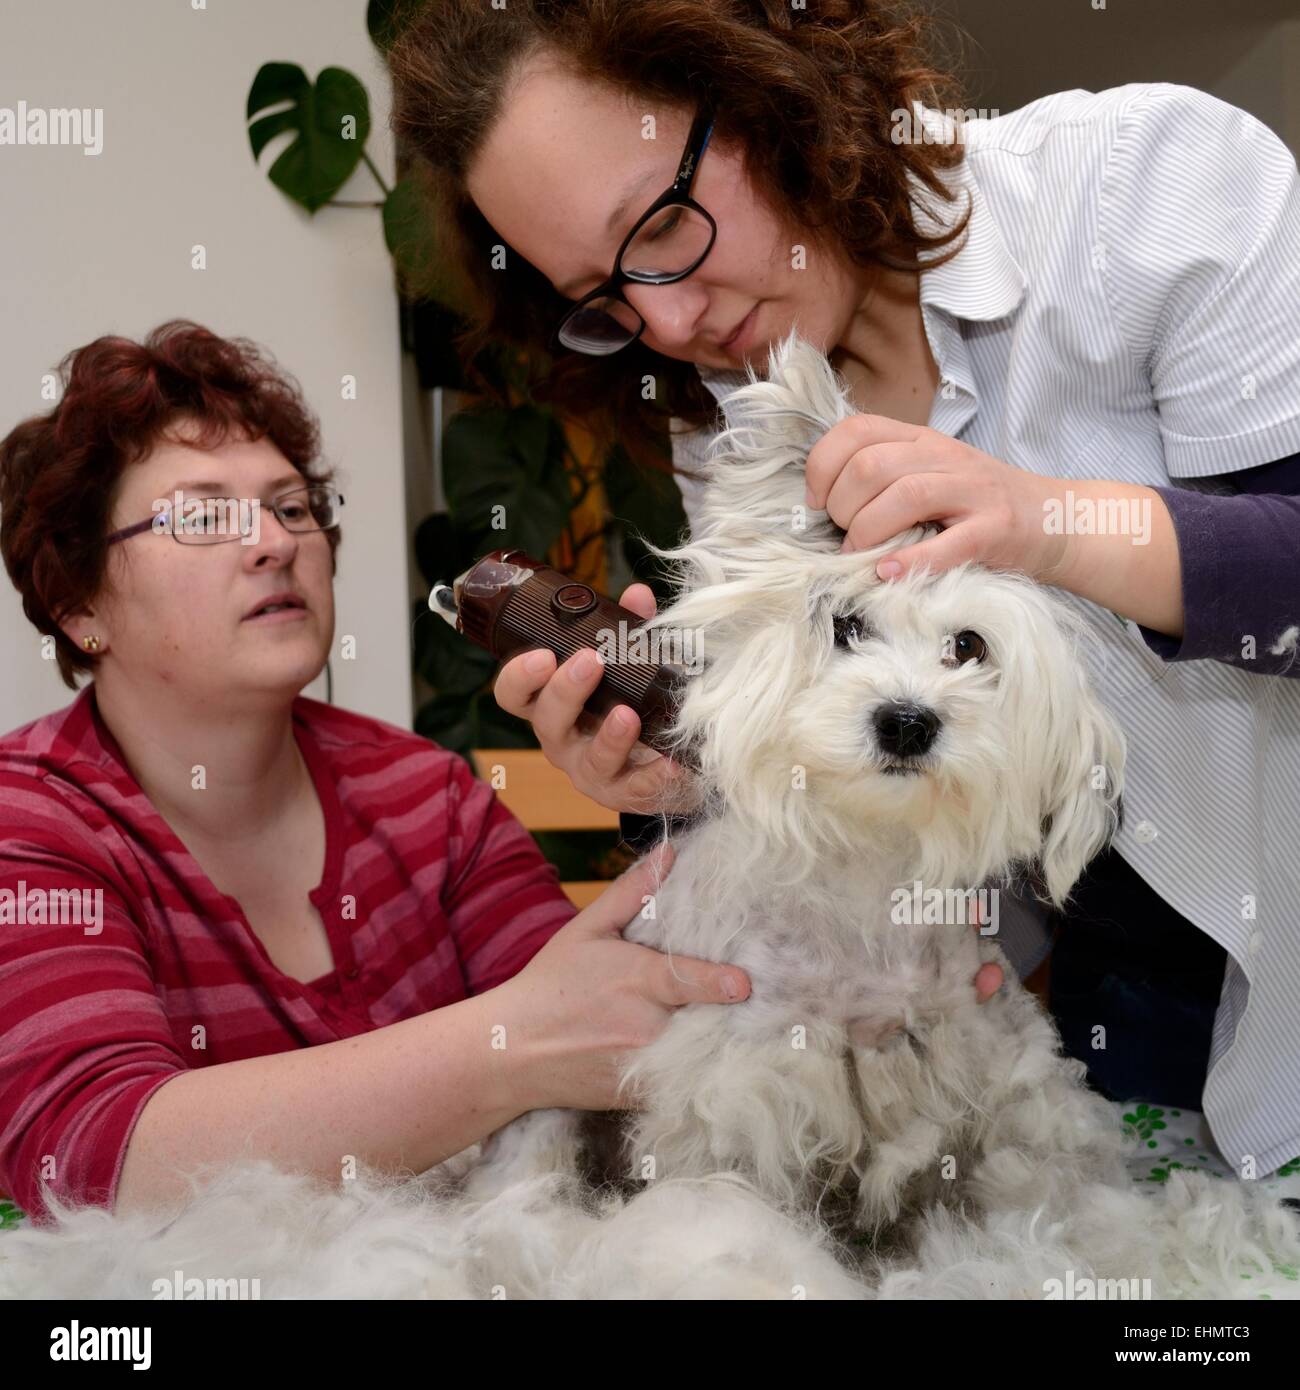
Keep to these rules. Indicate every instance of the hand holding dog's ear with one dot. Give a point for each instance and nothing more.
(877, 477)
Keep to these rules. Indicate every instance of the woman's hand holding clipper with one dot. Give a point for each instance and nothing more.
(601, 757)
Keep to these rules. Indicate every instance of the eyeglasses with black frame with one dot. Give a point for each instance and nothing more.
(675, 232)
(312, 508)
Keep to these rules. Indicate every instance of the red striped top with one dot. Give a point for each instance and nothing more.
(432, 891)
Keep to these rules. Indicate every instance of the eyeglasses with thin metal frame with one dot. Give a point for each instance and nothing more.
(300, 509)
(676, 195)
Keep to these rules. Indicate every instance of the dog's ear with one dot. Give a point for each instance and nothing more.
(1061, 786)
(1082, 791)
(754, 476)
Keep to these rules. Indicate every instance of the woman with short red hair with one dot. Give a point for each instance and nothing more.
(238, 922)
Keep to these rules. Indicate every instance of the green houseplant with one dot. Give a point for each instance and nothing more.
(512, 473)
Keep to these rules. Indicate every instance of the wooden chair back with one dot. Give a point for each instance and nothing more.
(543, 798)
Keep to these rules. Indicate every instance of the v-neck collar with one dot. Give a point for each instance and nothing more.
(325, 892)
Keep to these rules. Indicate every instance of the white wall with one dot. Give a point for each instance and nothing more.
(93, 245)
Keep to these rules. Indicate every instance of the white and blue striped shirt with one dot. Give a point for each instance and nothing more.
(1127, 306)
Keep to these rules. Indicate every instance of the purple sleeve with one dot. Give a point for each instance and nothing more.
(1240, 558)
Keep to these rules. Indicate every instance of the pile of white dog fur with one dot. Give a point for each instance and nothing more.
(287, 1236)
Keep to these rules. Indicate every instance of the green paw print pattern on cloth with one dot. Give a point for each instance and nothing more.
(1163, 1140)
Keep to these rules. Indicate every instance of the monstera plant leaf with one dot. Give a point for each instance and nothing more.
(330, 118)
(644, 505)
(409, 235)
(447, 659)
(479, 722)
(441, 551)
(505, 479)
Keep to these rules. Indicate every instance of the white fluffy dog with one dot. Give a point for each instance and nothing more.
(860, 1126)
(866, 747)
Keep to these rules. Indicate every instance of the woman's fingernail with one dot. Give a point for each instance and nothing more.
(889, 569)
(624, 720)
(583, 665)
(537, 662)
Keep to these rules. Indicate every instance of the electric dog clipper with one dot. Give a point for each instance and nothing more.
(508, 602)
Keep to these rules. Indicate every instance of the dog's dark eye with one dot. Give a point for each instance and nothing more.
(965, 646)
(848, 626)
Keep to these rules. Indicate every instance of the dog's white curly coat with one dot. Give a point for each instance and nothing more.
(861, 1076)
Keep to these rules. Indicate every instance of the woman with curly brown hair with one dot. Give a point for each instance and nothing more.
(1071, 334)
(236, 922)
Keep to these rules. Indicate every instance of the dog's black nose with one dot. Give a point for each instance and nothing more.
(905, 730)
